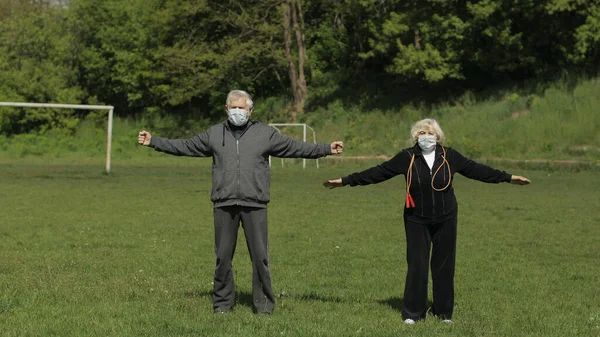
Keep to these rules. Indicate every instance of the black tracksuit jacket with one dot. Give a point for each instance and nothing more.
(430, 206)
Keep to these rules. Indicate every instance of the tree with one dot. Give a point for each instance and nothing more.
(36, 65)
(176, 56)
(292, 16)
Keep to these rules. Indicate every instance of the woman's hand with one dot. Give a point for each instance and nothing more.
(518, 180)
(333, 183)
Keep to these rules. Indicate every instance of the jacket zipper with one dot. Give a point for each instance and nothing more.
(237, 146)
(432, 196)
(432, 191)
(420, 188)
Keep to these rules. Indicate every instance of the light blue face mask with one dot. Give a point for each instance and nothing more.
(427, 142)
(237, 116)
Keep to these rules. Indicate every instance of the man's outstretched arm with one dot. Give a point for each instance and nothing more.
(285, 147)
(196, 146)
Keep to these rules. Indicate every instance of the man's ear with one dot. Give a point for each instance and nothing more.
(250, 111)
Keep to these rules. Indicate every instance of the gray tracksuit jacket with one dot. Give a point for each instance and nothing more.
(240, 169)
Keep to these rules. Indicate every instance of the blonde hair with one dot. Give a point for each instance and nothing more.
(427, 124)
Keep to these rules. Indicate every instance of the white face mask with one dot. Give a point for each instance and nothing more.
(237, 116)
(427, 142)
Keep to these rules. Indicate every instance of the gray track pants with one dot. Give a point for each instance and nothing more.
(254, 221)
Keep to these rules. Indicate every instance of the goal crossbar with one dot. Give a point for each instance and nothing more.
(79, 107)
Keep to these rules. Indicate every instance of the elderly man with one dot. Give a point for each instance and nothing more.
(240, 149)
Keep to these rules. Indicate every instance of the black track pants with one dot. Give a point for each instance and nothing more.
(254, 221)
(419, 240)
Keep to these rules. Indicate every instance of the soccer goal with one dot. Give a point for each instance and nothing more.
(77, 107)
(277, 126)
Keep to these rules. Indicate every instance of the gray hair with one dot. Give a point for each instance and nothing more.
(427, 124)
(234, 95)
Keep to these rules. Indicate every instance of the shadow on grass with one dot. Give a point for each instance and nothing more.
(241, 298)
(245, 298)
(397, 303)
(313, 296)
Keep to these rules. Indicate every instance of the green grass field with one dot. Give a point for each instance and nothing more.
(131, 254)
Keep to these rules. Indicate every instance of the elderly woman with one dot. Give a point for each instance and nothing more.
(430, 213)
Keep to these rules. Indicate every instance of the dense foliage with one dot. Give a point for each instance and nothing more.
(179, 57)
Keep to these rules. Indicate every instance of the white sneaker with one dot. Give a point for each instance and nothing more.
(447, 321)
(409, 321)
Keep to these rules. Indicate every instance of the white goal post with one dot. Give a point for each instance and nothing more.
(79, 107)
(304, 127)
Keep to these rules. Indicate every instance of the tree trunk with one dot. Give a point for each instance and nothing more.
(302, 90)
(292, 19)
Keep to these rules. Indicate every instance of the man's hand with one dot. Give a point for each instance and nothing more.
(144, 138)
(518, 180)
(337, 147)
(333, 183)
